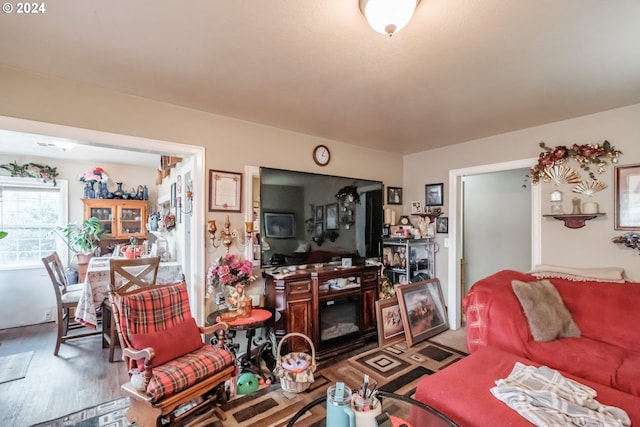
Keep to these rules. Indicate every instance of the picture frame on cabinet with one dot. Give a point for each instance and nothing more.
(433, 194)
(422, 309)
(394, 195)
(627, 197)
(389, 320)
(225, 191)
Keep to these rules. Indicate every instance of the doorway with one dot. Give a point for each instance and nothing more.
(456, 226)
(496, 223)
(196, 267)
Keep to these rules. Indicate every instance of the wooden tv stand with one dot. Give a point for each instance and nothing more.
(296, 298)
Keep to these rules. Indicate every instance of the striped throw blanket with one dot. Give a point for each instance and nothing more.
(546, 398)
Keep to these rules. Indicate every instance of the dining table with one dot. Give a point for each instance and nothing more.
(96, 287)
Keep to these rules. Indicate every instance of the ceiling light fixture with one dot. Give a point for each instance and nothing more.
(388, 16)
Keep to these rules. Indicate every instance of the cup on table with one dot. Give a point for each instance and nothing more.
(365, 410)
(339, 412)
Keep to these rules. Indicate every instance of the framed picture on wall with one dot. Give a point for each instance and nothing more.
(225, 191)
(280, 225)
(394, 195)
(627, 197)
(422, 309)
(319, 213)
(433, 195)
(331, 212)
(442, 224)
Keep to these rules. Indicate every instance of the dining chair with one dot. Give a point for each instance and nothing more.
(67, 297)
(126, 275)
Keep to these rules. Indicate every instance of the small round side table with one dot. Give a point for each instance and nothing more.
(258, 319)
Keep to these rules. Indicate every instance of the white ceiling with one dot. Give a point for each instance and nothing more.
(460, 70)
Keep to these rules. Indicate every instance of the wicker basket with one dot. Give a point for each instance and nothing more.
(296, 385)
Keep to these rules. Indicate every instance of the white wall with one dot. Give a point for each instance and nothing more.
(586, 247)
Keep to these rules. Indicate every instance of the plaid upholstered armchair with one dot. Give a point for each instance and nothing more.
(169, 363)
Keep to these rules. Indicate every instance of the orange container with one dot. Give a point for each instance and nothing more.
(132, 252)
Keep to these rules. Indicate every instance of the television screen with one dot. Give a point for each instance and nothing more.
(308, 218)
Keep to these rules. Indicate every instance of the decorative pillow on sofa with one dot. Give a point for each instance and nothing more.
(546, 313)
(169, 344)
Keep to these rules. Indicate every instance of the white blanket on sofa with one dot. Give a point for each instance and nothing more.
(546, 398)
(579, 274)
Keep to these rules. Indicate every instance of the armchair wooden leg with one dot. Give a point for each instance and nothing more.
(143, 414)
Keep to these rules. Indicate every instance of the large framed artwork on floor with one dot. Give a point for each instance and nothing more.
(422, 309)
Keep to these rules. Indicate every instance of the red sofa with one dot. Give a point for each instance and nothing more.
(606, 356)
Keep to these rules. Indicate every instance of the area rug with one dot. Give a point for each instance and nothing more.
(397, 368)
(14, 366)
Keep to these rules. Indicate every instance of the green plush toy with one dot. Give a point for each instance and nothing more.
(248, 383)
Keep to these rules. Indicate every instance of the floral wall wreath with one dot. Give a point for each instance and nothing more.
(551, 167)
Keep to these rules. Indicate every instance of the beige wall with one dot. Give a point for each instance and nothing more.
(586, 247)
(230, 144)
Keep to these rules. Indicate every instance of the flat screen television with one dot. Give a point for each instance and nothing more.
(308, 218)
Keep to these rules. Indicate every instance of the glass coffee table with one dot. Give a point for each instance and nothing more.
(402, 410)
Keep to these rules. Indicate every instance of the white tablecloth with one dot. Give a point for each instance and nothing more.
(96, 287)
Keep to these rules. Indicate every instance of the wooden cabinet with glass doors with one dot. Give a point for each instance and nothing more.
(121, 219)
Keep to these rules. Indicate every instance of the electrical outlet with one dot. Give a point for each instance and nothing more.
(47, 315)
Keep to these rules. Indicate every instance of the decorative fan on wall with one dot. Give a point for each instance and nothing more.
(561, 174)
(589, 188)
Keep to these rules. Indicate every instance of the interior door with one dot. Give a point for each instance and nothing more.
(496, 224)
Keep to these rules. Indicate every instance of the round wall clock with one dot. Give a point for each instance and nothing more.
(321, 155)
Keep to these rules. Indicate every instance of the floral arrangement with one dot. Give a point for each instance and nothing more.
(93, 175)
(229, 271)
(32, 170)
(585, 155)
(630, 240)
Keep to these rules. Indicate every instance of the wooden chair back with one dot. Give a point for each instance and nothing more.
(127, 275)
(54, 267)
(131, 274)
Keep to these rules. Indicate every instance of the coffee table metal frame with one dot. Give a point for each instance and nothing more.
(381, 395)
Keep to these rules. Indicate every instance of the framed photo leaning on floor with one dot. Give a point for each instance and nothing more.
(422, 309)
(390, 328)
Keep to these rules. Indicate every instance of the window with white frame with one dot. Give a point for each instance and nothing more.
(29, 210)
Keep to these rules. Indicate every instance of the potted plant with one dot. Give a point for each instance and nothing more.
(82, 239)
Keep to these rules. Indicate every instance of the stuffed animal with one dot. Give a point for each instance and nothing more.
(295, 365)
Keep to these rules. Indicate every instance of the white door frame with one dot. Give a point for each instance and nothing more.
(126, 142)
(455, 228)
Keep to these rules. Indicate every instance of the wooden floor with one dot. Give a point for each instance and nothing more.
(79, 377)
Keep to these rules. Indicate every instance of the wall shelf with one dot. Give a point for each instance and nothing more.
(574, 220)
(432, 216)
